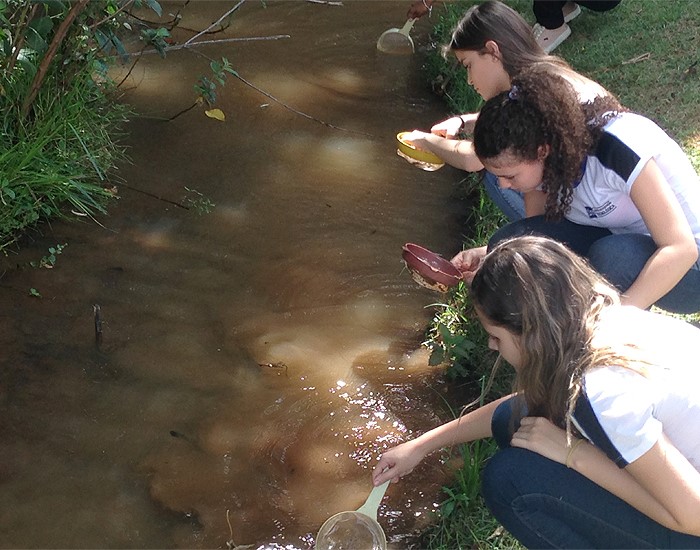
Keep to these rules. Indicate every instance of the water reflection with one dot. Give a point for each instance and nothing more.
(255, 360)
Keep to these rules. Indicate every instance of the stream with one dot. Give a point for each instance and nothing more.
(261, 339)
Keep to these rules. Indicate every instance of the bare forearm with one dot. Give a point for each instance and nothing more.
(400, 460)
(470, 427)
(668, 226)
(660, 275)
(455, 152)
(593, 464)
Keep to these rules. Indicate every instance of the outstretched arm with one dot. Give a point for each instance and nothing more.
(455, 152)
(419, 8)
(451, 127)
(400, 460)
(468, 262)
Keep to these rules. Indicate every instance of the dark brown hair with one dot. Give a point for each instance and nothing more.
(495, 21)
(543, 109)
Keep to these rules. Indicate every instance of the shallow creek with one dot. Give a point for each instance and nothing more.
(255, 360)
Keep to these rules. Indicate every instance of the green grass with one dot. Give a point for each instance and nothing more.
(58, 124)
(645, 52)
(54, 162)
(464, 522)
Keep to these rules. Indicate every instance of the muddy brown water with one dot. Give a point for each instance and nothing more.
(255, 360)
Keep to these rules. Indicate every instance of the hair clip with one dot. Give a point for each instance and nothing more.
(514, 93)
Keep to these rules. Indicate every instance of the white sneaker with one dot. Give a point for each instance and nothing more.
(551, 38)
(571, 10)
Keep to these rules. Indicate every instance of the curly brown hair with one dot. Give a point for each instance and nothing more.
(543, 109)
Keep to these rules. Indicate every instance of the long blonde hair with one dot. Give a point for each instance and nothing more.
(552, 299)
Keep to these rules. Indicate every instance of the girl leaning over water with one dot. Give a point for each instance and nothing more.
(610, 184)
(494, 44)
(600, 441)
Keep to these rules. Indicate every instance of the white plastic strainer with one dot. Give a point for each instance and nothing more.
(355, 529)
(397, 41)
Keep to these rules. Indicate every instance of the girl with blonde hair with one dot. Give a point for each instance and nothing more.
(600, 441)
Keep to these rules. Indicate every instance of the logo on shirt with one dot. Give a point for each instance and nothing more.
(600, 211)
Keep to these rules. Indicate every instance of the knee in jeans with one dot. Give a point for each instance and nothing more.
(517, 228)
(500, 477)
(601, 256)
(620, 258)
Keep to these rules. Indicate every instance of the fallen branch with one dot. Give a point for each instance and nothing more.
(215, 23)
(292, 109)
(179, 205)
(327, 2)
(112, 15)
(98, 323)
(187, 46)
(51, 53)
(637, 59)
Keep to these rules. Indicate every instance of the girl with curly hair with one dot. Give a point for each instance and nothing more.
(610, 184)
(493, 43)
(599, 442)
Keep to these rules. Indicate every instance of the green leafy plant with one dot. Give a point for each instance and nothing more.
(463, 520)
(206, 86)
(59, 124)
(49, 261)
(455, 336)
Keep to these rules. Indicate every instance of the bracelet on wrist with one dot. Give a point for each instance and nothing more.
(571, 452)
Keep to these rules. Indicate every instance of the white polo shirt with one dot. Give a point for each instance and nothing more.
(602, 198)
(623, 411)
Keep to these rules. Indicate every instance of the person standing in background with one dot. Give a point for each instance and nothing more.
(553, 17)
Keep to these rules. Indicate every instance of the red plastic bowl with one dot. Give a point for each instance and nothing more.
(430, 269)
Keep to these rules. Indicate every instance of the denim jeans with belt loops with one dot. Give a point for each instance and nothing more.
(544, 504)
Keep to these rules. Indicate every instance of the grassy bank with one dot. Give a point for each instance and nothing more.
(54, 164)
(59, 127)
(60, 123)
(645, 52)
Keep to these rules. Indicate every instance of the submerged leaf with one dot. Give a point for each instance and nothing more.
(218, 114)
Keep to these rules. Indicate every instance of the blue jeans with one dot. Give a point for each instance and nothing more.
(544, 504)
(618, 257)
(510, 202)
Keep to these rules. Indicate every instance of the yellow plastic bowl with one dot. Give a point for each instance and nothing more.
(416, 154)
